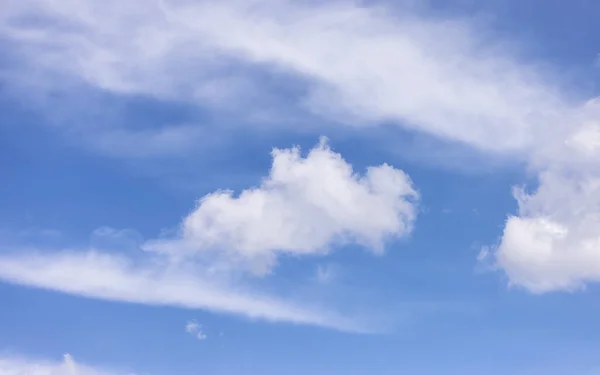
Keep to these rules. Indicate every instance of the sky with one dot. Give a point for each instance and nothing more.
(299, 187)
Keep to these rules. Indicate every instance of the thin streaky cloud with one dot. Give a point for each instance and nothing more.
(110, 277)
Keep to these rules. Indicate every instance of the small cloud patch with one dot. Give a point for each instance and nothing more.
(193, 328)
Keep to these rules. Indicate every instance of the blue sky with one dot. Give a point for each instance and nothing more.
(253, 187)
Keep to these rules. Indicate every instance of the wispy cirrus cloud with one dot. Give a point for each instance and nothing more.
(441, 77)
(98, 275)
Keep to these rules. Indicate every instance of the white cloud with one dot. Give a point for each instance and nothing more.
(436, 76)
(441, 77)
(305, 206)
(12, 365)
(110, 277)
(554, 243)
(193, 328)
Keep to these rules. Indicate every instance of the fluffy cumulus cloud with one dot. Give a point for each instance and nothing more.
(22, 366)
(554, 243)
(304, 206)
